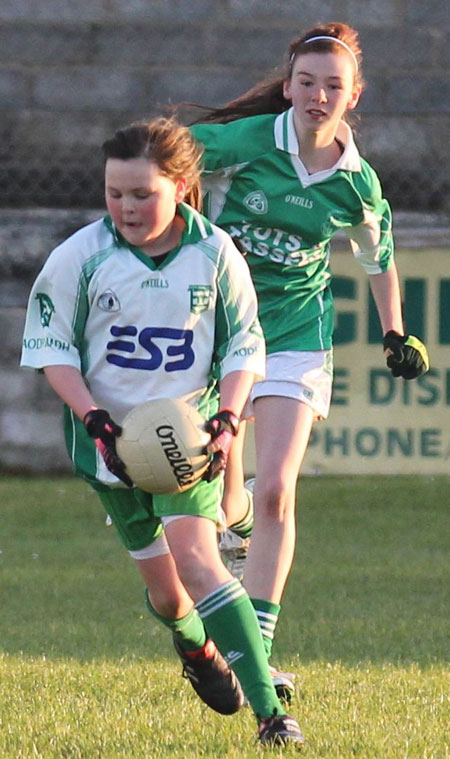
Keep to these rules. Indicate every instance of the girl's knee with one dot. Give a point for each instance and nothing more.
(277, 501)
(169, 606)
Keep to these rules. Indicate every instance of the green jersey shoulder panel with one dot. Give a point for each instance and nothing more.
(235, 143)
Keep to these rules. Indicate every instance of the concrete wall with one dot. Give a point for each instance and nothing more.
(71, 72)
(30, 413)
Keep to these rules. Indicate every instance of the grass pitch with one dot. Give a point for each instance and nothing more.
(85, 673)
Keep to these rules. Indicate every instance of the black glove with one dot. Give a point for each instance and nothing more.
(222, 427)
(406, 355)
(101, 427)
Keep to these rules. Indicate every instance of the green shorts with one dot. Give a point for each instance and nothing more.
(137, 514)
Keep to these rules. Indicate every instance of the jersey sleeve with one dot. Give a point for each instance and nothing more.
(48, 334)
(371, 239)
(219, 145)
(240, 343)
(237, 143)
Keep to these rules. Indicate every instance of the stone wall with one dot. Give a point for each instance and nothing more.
(70, 73)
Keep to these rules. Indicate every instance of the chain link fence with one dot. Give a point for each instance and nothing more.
(61, 178)
(68, 79)
(51, 178)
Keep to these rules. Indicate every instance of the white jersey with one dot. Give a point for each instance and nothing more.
(137, 330)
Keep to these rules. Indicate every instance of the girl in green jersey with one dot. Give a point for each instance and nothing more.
(282, 175)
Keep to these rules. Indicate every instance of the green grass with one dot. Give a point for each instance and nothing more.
(86, 674)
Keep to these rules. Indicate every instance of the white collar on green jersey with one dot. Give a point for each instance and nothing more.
(286, 139)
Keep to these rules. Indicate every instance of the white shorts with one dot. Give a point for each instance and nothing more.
(306, 376)
(158, 547)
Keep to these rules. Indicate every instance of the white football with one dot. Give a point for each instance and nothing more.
(162, 444)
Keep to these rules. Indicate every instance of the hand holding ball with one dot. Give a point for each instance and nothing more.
(163, 444)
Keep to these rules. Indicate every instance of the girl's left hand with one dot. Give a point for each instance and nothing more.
(406, 355)
(222, 427)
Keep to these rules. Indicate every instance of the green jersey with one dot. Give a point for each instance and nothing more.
(259, 191)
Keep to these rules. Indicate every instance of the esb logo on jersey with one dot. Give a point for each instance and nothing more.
(165, 347)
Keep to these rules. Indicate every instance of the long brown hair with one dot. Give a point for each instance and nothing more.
(267, 95)
(167, 143)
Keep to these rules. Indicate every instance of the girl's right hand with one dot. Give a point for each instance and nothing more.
(104, 431)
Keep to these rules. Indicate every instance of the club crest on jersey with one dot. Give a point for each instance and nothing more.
(46, 308)
(108, 301)
(200, 297)
(256, 202)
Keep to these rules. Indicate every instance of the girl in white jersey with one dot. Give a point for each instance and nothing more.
(113, 321)
(282, 176)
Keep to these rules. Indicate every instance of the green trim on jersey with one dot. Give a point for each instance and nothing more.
(197, 228)
(81, 311)
(227, 312)
(224, 315)
(81, 448)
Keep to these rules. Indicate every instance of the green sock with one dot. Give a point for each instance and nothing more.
(244, 528)
(267, 614)
(231, 622)
(189, 630)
